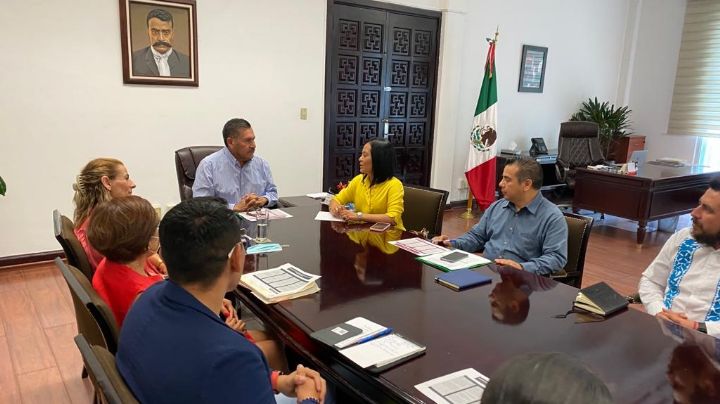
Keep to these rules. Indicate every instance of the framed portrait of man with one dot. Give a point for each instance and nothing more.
(159, 42)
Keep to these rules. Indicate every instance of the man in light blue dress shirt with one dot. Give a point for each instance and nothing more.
(235, 173)
(523, 230)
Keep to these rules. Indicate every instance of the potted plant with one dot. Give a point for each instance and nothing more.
(614, 122)
(3, 187)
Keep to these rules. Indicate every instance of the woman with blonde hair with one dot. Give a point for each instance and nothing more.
(101, 180)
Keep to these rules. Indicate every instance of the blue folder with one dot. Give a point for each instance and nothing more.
(462, 279)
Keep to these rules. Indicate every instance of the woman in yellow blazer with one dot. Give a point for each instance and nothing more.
(376, 194)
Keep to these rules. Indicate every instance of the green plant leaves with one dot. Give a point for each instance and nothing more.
(613, 123)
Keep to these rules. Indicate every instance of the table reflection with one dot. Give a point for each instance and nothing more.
(356, 262)
(510, 298)
(694, 368)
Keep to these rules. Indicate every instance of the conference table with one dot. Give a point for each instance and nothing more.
(363, 275)
(656, 192)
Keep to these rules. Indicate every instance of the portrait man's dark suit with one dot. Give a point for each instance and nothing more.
(143, 64)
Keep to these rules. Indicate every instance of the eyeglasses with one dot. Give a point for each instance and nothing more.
(240, 243)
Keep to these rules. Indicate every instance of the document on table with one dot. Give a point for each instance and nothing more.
(418, 246)
(318, 195)
(470, 261)
(281, 283)
(272, 215)
(368, 328)
(327, 217)
(382, 351)
(462, 387)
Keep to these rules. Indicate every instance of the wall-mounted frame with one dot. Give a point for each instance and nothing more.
(532, 69)
(159, 42)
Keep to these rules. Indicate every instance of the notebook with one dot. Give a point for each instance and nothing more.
(462, 279)
(348, 333)
(601, 299)
(383, 353)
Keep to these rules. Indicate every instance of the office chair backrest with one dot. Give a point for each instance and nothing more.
(579, 144)
(186, 162)
(74, 251)
(424, 208)
(578, 235)
(94, 318)
(104, 374)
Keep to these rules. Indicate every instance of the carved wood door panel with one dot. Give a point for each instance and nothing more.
(380, 83)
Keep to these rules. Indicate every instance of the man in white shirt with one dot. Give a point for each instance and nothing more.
(682, 284)
(160, 59)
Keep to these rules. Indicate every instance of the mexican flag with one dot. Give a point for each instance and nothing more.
(480, 168)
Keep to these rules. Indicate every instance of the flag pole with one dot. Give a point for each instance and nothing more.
(468, 212)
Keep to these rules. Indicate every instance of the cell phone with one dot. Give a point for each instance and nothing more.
(380, 226)
(453, 256)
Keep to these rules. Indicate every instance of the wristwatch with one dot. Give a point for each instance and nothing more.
(359, 215)
(702, 328)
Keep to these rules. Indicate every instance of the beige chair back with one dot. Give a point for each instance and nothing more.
(74, 252)
(108, 382)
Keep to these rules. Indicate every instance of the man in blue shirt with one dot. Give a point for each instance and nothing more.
(173, 346)
(523, 230)
(235, 173)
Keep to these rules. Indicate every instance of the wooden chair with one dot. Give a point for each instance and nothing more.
(186, 161)
(109, 384)
(74, 251)
(94, 318)
(424, 208)
(578, 235)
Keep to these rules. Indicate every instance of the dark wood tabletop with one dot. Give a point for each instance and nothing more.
(364, 276)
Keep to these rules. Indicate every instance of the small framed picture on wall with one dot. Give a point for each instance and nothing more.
(532, 69)
(159, 42)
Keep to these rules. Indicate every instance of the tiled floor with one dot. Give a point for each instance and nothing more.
(39, 362)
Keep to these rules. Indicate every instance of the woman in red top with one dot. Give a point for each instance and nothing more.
(123, 230)
(101, 180)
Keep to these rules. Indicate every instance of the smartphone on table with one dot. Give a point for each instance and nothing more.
(380, 226)
(454, 256)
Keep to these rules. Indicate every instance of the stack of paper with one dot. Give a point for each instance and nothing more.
(282, 283)
(419, 246)
(273, 214)
(470, 261)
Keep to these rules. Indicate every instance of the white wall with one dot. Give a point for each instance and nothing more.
(584, 40)
(653, 65)
(264, 60)
(62, 102)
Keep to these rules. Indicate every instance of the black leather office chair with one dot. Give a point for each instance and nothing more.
(578, 147)
(579, 228)
(186, 162)
(424, 208)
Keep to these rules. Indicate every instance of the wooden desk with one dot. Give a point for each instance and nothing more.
(628, 351)
(656, 192)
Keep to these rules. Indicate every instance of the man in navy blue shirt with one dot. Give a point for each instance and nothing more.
(523, 230)
(174, 348)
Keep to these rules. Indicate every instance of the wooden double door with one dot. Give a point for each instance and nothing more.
(380, 84)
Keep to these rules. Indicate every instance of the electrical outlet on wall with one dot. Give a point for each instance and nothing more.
(462, 183)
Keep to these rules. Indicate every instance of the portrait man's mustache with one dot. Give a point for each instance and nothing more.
(162, 43)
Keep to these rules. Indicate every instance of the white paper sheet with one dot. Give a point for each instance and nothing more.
(381, 351)
(318, 195)
(462, 387)
(470, 261)
(273, 214)
(419, 247)
(367, 327)
(327, 217)
(283, 280)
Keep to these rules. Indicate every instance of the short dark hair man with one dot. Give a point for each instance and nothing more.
(235, 173)
(682, 284)
(523, 230)
(174, 348)
(160, 59)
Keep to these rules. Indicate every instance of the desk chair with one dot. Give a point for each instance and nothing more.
(74, 251)
(424, 208)
(109, 384)
(94, 318)
(578, 235)
(578, 146)
(186, 161)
